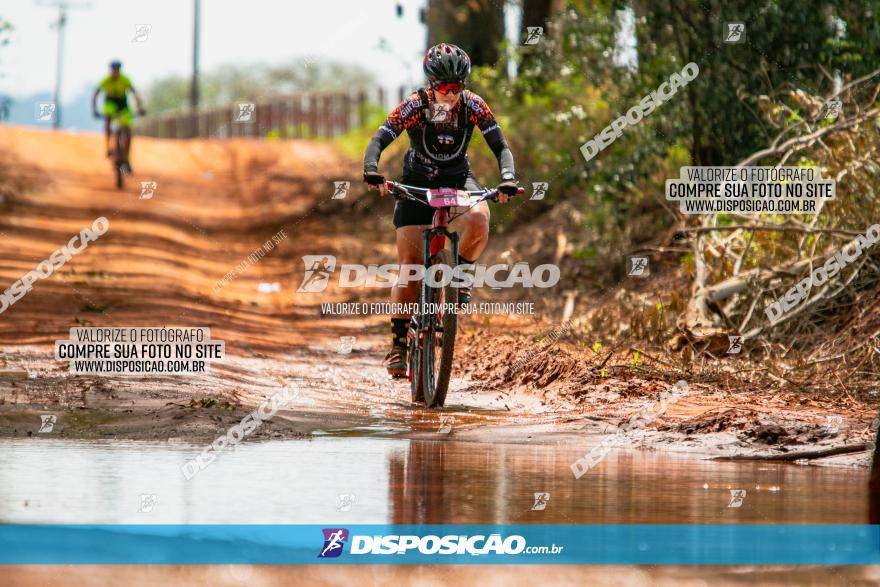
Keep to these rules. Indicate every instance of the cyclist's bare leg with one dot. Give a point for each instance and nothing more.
(107, 133)
(409, 251)
(474, 229)
(125, 141)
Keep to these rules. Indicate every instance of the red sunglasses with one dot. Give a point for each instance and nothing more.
(448, 87)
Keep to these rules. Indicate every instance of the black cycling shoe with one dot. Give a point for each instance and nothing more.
(395, 362)
(464, 295)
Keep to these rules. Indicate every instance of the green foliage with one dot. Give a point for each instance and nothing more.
(788, 44)
(353, 143)
(634, 362)
(563, 96)
(567, 91)
(6, 30)
(232, 83)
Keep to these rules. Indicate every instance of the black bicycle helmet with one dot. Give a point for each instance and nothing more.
(115, 64)
(447, 63)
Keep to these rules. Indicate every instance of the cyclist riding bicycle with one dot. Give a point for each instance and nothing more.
(439, 120)
(116, 87)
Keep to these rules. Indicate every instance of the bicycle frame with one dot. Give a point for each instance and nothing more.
(432, 331)
(435, 237)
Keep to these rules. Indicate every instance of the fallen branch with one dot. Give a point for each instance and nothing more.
(769, 228)
(806, 140)
(798, 456)
(655, 359)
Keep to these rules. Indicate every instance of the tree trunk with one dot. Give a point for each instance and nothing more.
(477, 26)
(535, 13)
(540, 13)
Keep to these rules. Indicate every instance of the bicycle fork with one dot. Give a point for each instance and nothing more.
(424, 322)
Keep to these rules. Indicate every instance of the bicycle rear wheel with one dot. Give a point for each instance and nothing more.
(438, 347)
(118, 161)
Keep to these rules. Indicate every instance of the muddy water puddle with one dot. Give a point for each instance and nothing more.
(381, 480)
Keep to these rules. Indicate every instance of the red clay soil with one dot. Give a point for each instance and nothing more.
(218, 201)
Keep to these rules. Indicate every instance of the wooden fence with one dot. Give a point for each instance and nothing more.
(306, 115)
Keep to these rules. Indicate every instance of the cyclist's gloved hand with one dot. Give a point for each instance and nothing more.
(142, 112)
(506, 189)
(97, 114)
(374, 179)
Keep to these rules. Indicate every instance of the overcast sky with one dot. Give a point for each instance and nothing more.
(233, 31)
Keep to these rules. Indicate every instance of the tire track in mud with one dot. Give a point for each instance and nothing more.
(215, 203)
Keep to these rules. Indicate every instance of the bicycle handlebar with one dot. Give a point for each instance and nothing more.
(487, 194)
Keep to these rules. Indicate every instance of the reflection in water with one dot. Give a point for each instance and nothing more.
(456, 482)
(360, 480)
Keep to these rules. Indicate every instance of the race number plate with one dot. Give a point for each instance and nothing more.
(443, 197)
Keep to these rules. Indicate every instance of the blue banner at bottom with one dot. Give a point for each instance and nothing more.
(629, 544)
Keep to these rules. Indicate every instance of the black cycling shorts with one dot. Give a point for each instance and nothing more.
(409, 213)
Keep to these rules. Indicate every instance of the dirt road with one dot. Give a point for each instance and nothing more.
(163, 262)
(166, 260)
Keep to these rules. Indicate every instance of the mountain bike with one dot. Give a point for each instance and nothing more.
(431, 334)
(121, 145)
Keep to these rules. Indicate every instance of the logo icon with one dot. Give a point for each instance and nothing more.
(247, 112)
(735, 32)
(737, 496)
(533, 35)
(148, 188)
(345, 344)
(346, 500)
(539, 190)
(341, 189)
(637, 266)
(541, 500)
(334, 540)
(47, 423)
(439, 113)
(148, 501)
(831, 110)
(832, 425)
(46, 111)
(736, 344)
(141, 32)
(318, 270)
(445, 424)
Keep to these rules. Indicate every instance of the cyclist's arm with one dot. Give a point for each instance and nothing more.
(401, 118)
(137, 97)
(481, 116)
(129, 87)
(95, 99)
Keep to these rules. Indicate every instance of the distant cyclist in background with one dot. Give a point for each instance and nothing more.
(116, 88)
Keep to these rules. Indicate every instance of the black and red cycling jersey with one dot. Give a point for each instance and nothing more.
(438, 138)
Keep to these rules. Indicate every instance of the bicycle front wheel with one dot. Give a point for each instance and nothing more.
(415, 363)
(439, 345)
